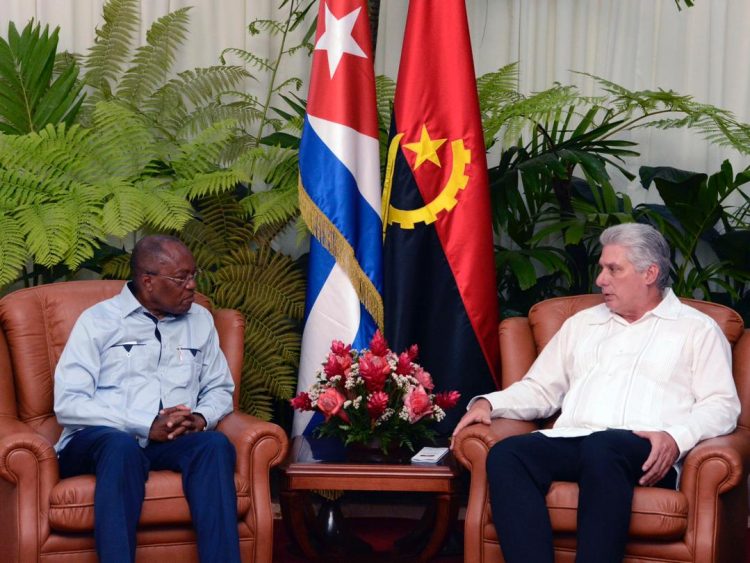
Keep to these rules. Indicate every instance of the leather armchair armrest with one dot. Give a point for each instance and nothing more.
(471, 445)
(722, 460)
(20, 446)
(28, 471)
(260, 445)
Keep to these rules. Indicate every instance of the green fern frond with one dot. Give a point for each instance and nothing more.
(248, 57)
(201, 154)
(200, 119)
(123, 212)
(273, 27)
(292, 82)
(202, 85)
(165, 210)
(12, 249)
(122, 142)
(18, 188)
(44, 227)
(83, 229)
(209, 183)
(513, 113)
(274, 333)
(254, 398)
(117, 267)
(273, 207)
(385, 91)
(46, 155)
(278, 379)
(260, 282)
(111, 49)
(152, 62)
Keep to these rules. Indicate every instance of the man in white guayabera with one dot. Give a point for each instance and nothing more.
(639, 380)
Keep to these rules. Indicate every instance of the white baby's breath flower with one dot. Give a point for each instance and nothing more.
(438, 413)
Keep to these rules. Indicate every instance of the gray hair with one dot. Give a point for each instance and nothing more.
(645, 246)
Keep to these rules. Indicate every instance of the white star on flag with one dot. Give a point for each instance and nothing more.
(338, 39)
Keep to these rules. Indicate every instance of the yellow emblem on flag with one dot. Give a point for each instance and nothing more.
(445, 201)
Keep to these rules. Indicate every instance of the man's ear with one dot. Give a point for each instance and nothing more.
(652, 274)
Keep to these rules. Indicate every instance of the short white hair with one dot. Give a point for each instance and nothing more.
(645, 246)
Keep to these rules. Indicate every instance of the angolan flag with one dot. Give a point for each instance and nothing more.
(439, 279)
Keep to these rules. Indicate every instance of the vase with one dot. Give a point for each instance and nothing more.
(372, 452)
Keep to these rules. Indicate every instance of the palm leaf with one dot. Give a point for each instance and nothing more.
(30, 95)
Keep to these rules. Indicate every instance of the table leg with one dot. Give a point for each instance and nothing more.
(296, 511)
(426, 540)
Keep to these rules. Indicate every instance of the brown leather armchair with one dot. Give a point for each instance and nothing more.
(44, 518)
(705, 521)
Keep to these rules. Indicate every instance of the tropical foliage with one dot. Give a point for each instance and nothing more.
(152, 150)
(233, 227)
(34, 91)
(548, 220)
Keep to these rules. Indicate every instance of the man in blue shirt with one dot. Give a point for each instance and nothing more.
(140, 379)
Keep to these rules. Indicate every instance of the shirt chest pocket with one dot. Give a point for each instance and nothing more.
(124, 359)
(186, 366)
(662, 358)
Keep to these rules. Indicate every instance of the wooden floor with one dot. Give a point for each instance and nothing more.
(379, 532)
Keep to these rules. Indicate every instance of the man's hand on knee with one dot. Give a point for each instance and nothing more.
(664, 454)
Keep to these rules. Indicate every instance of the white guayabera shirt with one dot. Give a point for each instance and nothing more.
(670, 370)
(121, 364)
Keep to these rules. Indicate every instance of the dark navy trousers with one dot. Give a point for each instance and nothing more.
(606, 465)
(206, 461)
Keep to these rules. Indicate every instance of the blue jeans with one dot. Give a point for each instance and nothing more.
(606, 465)
(206, 461)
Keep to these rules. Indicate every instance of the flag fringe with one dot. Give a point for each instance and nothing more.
(332, 240)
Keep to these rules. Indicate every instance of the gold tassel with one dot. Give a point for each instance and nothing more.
(332, 240)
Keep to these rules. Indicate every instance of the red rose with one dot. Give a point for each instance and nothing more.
(417, 403)
(377, 404)
(378, 345)
(447, 399)
(331, 402)
(374, 370)
(301, 402)
(337, 365)
(425, 379)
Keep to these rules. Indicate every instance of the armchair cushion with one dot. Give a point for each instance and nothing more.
(72, 502)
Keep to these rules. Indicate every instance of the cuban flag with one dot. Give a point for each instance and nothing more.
(339, 192)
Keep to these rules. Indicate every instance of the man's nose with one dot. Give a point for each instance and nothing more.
(600, 279)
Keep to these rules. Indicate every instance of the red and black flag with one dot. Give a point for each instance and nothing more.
(439, 278)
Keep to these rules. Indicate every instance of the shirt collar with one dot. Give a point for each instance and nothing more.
(129, 304)
(668, 308)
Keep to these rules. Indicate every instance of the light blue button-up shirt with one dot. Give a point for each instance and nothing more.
(119, 365)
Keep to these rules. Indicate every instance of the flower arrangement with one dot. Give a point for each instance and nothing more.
(375, 395)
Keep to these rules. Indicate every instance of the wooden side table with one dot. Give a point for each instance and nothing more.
(315, 464)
